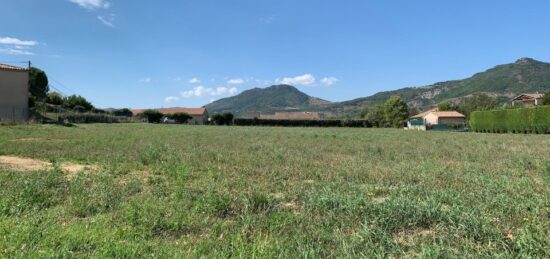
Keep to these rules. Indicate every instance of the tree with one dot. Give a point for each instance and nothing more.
(376, 116)
(152, 116)
(123, 112)
(396, 112)
(54, 98)
(546, 98)
(364, 113)
(477, 102)
(71, 102)
(228, 118)
(180, 117)
(223, 119)
(39, 86)
(445, 106)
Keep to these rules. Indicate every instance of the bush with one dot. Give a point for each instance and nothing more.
(123, 112)
(223, 118)
(91, 118)
(304, 123)
(152, 116)
(527, 120)
(180, 117)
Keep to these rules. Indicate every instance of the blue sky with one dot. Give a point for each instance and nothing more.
(122, 53)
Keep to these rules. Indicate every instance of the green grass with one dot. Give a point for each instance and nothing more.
(184, 191)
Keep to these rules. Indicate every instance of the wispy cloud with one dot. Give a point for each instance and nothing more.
(16, 52)
(14, 46)
(305, 80)
(201, 91)
(108, 21)
(236, 81)
(328, 81)
(92, 4)
(170, 99)
(267, 19)
(145, 80)
(17, 42)
(194, 80)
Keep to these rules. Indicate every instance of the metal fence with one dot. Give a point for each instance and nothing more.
(13, 114)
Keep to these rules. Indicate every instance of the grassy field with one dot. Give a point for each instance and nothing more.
(169, 190)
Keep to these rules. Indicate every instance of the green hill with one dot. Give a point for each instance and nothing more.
(266, 100)
(502, 82)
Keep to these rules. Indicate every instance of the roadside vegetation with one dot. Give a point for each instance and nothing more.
(190, 191)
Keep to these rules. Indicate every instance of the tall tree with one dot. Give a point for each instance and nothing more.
(39, 86)
(54, 98)
(546, 98)
(396, 112)
(477, 102)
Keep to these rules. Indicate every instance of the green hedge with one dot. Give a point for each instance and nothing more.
(304, 123)
(526, 120)
(92, 118)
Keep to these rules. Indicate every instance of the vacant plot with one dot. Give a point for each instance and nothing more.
(167, 190)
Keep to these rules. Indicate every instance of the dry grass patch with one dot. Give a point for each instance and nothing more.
(23, 164)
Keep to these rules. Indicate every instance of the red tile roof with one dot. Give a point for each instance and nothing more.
(449, 114)
(446, 114)
(190, 111)
(529, 96)
(11, 68)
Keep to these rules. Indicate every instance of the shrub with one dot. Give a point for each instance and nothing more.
(223, 118)
(527, 120)
(152, 116)
(304, 123)
(180, 117)
(123, 112)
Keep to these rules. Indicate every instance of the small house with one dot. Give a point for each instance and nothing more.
(199, 116)
(14, 93)
(435, 119)
(527, 100)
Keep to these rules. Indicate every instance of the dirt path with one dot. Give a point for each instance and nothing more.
(28, 164)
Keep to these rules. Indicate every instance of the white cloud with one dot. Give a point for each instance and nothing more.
(92, 4)
(16, 46)
(194, 80)
(306, 80)
(145, 80)
(108, 21)
(200, 91)
(18, 52)
(267, 20)
(235, 81)
(170, 99)
(17, 42)
(328, 81)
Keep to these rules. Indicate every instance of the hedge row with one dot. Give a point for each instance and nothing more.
(92, 118)
(304, 123)
(526, 120)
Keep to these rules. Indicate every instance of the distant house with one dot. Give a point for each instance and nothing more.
(14, 93)
(527, 100)
(435, 118)
(294, 116)
(199, 116)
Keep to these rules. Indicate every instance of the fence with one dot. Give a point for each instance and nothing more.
(13, 114)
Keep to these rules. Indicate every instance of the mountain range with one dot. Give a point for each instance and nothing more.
(501, 82)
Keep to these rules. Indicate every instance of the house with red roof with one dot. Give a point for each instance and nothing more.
(199, 116)
(436, 119)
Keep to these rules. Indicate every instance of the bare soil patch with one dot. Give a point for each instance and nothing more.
(23, 164)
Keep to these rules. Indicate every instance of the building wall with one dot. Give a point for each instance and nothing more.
(198, 119)
(430, 119)
(14, 95)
